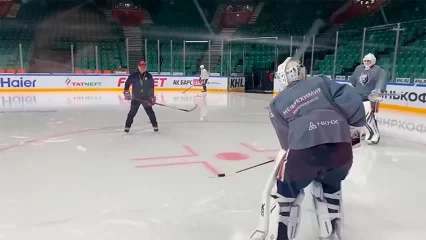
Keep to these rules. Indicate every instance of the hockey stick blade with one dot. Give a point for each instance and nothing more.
(220, 175)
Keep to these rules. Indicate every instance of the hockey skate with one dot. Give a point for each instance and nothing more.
(374, 140)
(156, 129)
(127, 129)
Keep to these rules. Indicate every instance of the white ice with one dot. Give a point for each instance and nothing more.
(67, 171)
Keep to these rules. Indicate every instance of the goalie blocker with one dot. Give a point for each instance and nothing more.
(316, 121)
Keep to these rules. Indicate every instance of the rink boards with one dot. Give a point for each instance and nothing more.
(112, 82)
(18, 102)
(408, 97)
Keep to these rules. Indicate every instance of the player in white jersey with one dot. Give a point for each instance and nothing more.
(204, 77)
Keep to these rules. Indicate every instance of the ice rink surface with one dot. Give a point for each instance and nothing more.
(67, 170)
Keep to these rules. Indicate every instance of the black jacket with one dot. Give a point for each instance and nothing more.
(142, 85)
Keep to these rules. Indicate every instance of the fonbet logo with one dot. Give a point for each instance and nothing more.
(158, 81)
(17, 83)
(71, 83)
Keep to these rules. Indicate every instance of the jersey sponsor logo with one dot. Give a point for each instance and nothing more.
(303, 101)
(313, 126)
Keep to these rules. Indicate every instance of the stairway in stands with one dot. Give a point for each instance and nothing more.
(216, 49)
(256, 12)
(135, 46)
(133, 34)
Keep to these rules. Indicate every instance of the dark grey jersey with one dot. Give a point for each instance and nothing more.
(316, 111)
(365, 81)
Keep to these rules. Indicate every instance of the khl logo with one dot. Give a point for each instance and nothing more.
(237, 83)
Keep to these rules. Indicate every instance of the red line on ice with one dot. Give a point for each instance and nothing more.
(205, 164)
(192, 153)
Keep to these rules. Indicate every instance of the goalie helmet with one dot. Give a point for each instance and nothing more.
(369, 60)
(289, 71)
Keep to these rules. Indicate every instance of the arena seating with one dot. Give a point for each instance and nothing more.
(381, 42)
(172, 22)
(57, 27)
(87, 28)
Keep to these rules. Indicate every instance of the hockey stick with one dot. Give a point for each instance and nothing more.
(172, 107)
(188, 89)
(245, 169)
(265, 207)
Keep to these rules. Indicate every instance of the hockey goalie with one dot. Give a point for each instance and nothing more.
(370, 80)
(318, 122)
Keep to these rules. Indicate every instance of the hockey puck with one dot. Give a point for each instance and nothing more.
(221, 175)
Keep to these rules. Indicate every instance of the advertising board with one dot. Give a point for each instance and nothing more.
(10, 102)
(407, 97)
(236, 84)
(94, 82)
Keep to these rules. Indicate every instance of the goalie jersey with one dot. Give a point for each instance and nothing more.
(365, 81)
(316, 111)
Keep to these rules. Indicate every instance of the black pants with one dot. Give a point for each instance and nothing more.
(204, 81)
(134, 108)
(328, 164)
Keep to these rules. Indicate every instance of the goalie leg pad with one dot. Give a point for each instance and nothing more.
(328, 209)
(285, 217)
(372, 135)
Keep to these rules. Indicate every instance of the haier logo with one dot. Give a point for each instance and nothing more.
(17, 101)
(237, 83)
(16, 83)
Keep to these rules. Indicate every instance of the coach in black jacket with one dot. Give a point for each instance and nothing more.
(143, 93)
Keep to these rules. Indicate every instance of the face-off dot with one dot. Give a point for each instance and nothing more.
(232, 156)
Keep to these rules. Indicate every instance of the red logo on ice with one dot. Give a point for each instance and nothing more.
(158, 81)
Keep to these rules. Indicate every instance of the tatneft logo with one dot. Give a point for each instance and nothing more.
(69, 83)
(17, 83)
